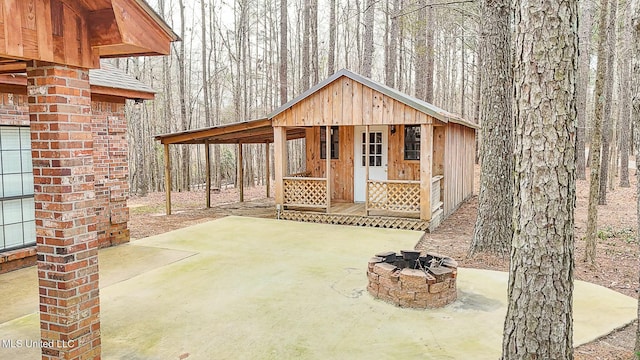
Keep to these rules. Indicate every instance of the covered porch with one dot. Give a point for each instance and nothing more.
(363, 182)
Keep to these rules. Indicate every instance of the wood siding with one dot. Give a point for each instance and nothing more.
(401, 169)
(49, 30)
(341, 169)
(458, 166)
(348, 102)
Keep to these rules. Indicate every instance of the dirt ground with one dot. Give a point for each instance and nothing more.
(617, 249)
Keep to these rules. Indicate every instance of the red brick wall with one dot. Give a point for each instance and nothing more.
(14, 110)
(111, 168)
(110, 148)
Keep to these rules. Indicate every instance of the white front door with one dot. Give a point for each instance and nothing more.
(377, 158)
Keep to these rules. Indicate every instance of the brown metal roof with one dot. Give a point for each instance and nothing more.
(257, 131)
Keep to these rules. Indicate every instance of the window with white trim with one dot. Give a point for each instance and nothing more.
(17, 207)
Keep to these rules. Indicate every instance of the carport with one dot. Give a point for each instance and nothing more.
(258, 131)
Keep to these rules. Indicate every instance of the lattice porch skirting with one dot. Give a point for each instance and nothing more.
(386, 222)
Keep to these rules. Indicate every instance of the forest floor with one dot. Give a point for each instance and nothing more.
(617, 249)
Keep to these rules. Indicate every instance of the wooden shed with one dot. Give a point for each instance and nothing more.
(393, 160)
(374, 156)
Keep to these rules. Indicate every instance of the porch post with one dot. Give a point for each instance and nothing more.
(328, 165)
(279, 161)
(167, 179)
(426, 157)
(267, 172)
(240, 173)
(366, 173)
(67, 242)
(208, 172)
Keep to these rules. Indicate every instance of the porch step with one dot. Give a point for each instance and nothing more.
(386, 222)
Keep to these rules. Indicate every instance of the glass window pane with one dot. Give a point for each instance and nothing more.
(12, 185)
(13, 235)
(10, 138)
(27, 184)
(378, 149)
(28, 209)
(29, 232)
(11, 162)
(372, 148)
(25, 138)
(1, 188)
(12, 211)
(2, 244)
(27, 165)
(379, 137)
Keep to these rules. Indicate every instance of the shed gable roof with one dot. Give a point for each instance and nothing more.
(411, 101)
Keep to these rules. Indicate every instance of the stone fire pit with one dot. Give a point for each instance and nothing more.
(411, 280)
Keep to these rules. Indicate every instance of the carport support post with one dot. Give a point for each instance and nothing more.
(426, 159)
(208, 172)
(67, 244)
(167, 178)
(279, 161)
(240, 173)
(267, 174)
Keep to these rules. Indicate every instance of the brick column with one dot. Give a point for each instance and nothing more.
(60, 118)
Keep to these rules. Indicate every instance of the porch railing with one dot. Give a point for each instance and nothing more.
(305, 191)
(394, 195)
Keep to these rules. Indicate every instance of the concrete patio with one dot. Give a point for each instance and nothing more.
(245, 288)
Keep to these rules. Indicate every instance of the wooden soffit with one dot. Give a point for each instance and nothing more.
(79, 32)
(248, 132)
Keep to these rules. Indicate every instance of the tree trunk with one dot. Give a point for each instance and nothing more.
(313, 18)
(184, 164)
(205, 77)
(392, 54)
(283, 52)
(625, 102)
(331, 64)
(428, 86)
(463, 71)
(608, 99)
(420, 51)
(306, 35)
(539, 321)
(367, 56)
(584, 26)
(596, 137)
(634, 12)
(493, 230)
(476, 97)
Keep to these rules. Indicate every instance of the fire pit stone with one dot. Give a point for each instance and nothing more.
(407, 280)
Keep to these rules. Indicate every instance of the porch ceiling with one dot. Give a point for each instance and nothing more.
(247, 132)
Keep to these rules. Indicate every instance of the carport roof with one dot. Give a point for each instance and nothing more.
(256, 131)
